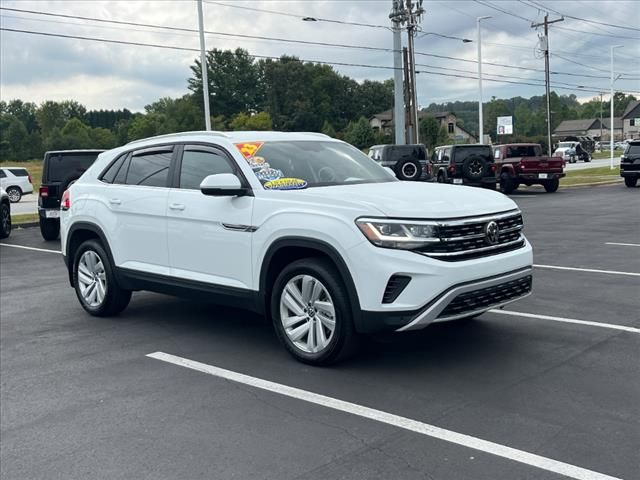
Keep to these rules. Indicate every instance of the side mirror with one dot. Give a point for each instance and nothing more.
(222, 185)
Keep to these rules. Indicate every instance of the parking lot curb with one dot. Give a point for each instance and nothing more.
(593, 184)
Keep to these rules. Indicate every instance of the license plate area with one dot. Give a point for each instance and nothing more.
(543, 175)
(52, 213)
(457, 181)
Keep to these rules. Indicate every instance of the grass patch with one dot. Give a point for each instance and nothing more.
(592, 176)
(24, 218)
(34, 167)
(604, 155)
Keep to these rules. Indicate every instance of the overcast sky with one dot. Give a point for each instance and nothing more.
(102, 75)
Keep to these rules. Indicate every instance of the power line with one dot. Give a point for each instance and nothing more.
(269, 57)
(487, 4)
(278, 39)
(595, 22)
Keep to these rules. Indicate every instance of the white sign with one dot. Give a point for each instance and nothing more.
(505, 125)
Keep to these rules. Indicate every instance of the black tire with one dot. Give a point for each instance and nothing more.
(115, 299)
(440, 178)
(5, 220)
(551, 186)
(630, 181)
(15, 194)
(344, 340)
(507, 183)
(474, 168)
(49, 228)
(409, 169)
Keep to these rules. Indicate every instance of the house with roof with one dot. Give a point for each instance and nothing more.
(383, 121)
(631, 120)
(590, 127)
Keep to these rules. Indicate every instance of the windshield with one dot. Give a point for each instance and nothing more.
(565, 145)
(302, 164)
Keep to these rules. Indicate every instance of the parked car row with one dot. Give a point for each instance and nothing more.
(508, 166)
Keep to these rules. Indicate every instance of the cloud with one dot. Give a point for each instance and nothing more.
(104, 75)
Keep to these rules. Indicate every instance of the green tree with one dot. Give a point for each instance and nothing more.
(360, 134)
(328, 129)
(102, 138)
(431, 133)
(76, 134)
(149, 125)
(259, 121)
(15, 141)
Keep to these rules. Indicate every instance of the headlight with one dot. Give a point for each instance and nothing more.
(402, 234)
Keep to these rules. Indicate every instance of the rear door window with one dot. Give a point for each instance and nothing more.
(632, 149)
(523, 151)
(64, 165)
(19, 172)
(463, 152)
(149, 168)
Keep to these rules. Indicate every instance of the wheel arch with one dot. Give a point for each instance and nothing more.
(79, 233)
(288, 249)
(508, 169)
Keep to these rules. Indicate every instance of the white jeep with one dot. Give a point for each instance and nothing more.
(301, 227)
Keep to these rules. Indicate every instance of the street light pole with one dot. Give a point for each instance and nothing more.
(611, 126)
(480, 117)
(204, 69)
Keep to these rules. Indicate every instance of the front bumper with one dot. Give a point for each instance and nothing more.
(630, 173)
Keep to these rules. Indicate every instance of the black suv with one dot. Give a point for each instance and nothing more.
(630, 163)
(60, 169)
(409, 162)
(464, 165)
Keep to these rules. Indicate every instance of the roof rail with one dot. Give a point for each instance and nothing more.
(179, 134)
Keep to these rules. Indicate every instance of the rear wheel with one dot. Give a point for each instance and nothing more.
(630, 181)
(474, 168)
(15, 194)
(5, 220)
(551, 185)
(507, 184)
(95, 283)
(408, 169)
(311, 312)
(49, 228)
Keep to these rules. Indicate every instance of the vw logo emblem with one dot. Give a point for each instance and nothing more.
(492, 233)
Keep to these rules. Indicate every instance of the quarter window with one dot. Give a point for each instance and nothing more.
(198, 164)
(149, 169)
(2, 174)
(110, 175)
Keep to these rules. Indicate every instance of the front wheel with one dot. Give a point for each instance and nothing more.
(95, 283)
(5, 220)
(630, 181)
(311, 312)
(15, 194)
(49, 228)
(551, 185)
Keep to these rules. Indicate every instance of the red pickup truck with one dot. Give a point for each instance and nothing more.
(523, 163)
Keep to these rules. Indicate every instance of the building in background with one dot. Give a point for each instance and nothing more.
(383, 121)
(589, 127)
(631, 120)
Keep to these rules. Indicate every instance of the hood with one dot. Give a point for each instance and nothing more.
(410, 199)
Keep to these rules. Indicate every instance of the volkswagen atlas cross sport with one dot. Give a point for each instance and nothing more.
(301, 227)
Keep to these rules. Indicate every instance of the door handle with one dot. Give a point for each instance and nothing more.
(115, 201)
(176, 206)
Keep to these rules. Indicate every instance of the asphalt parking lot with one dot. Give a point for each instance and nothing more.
(506, 396)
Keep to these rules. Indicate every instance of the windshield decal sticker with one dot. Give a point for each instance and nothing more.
(269, 174)
(286, 184)
(249, 149)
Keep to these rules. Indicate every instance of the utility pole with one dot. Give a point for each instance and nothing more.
(611, 126)
(480, 100)
(204, 69)
(545, 46)
(409, 13)
(601, 120)
(398, 88)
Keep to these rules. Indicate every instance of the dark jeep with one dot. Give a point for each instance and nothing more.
(630, 163)
(59, 171)
(464, 165)
(408, 162)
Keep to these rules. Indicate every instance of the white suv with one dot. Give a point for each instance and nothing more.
(299, 226)
(16, 182)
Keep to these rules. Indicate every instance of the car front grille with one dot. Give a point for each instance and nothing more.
(469, 238)
(486, 298)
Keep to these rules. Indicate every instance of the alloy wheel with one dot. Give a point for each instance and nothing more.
(307, 313)
(13, 194)
(92, 279)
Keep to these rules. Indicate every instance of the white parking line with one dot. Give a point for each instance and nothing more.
(623, 244)
(590, 270)
(30, 248)
(568, 320)
(516, 455)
